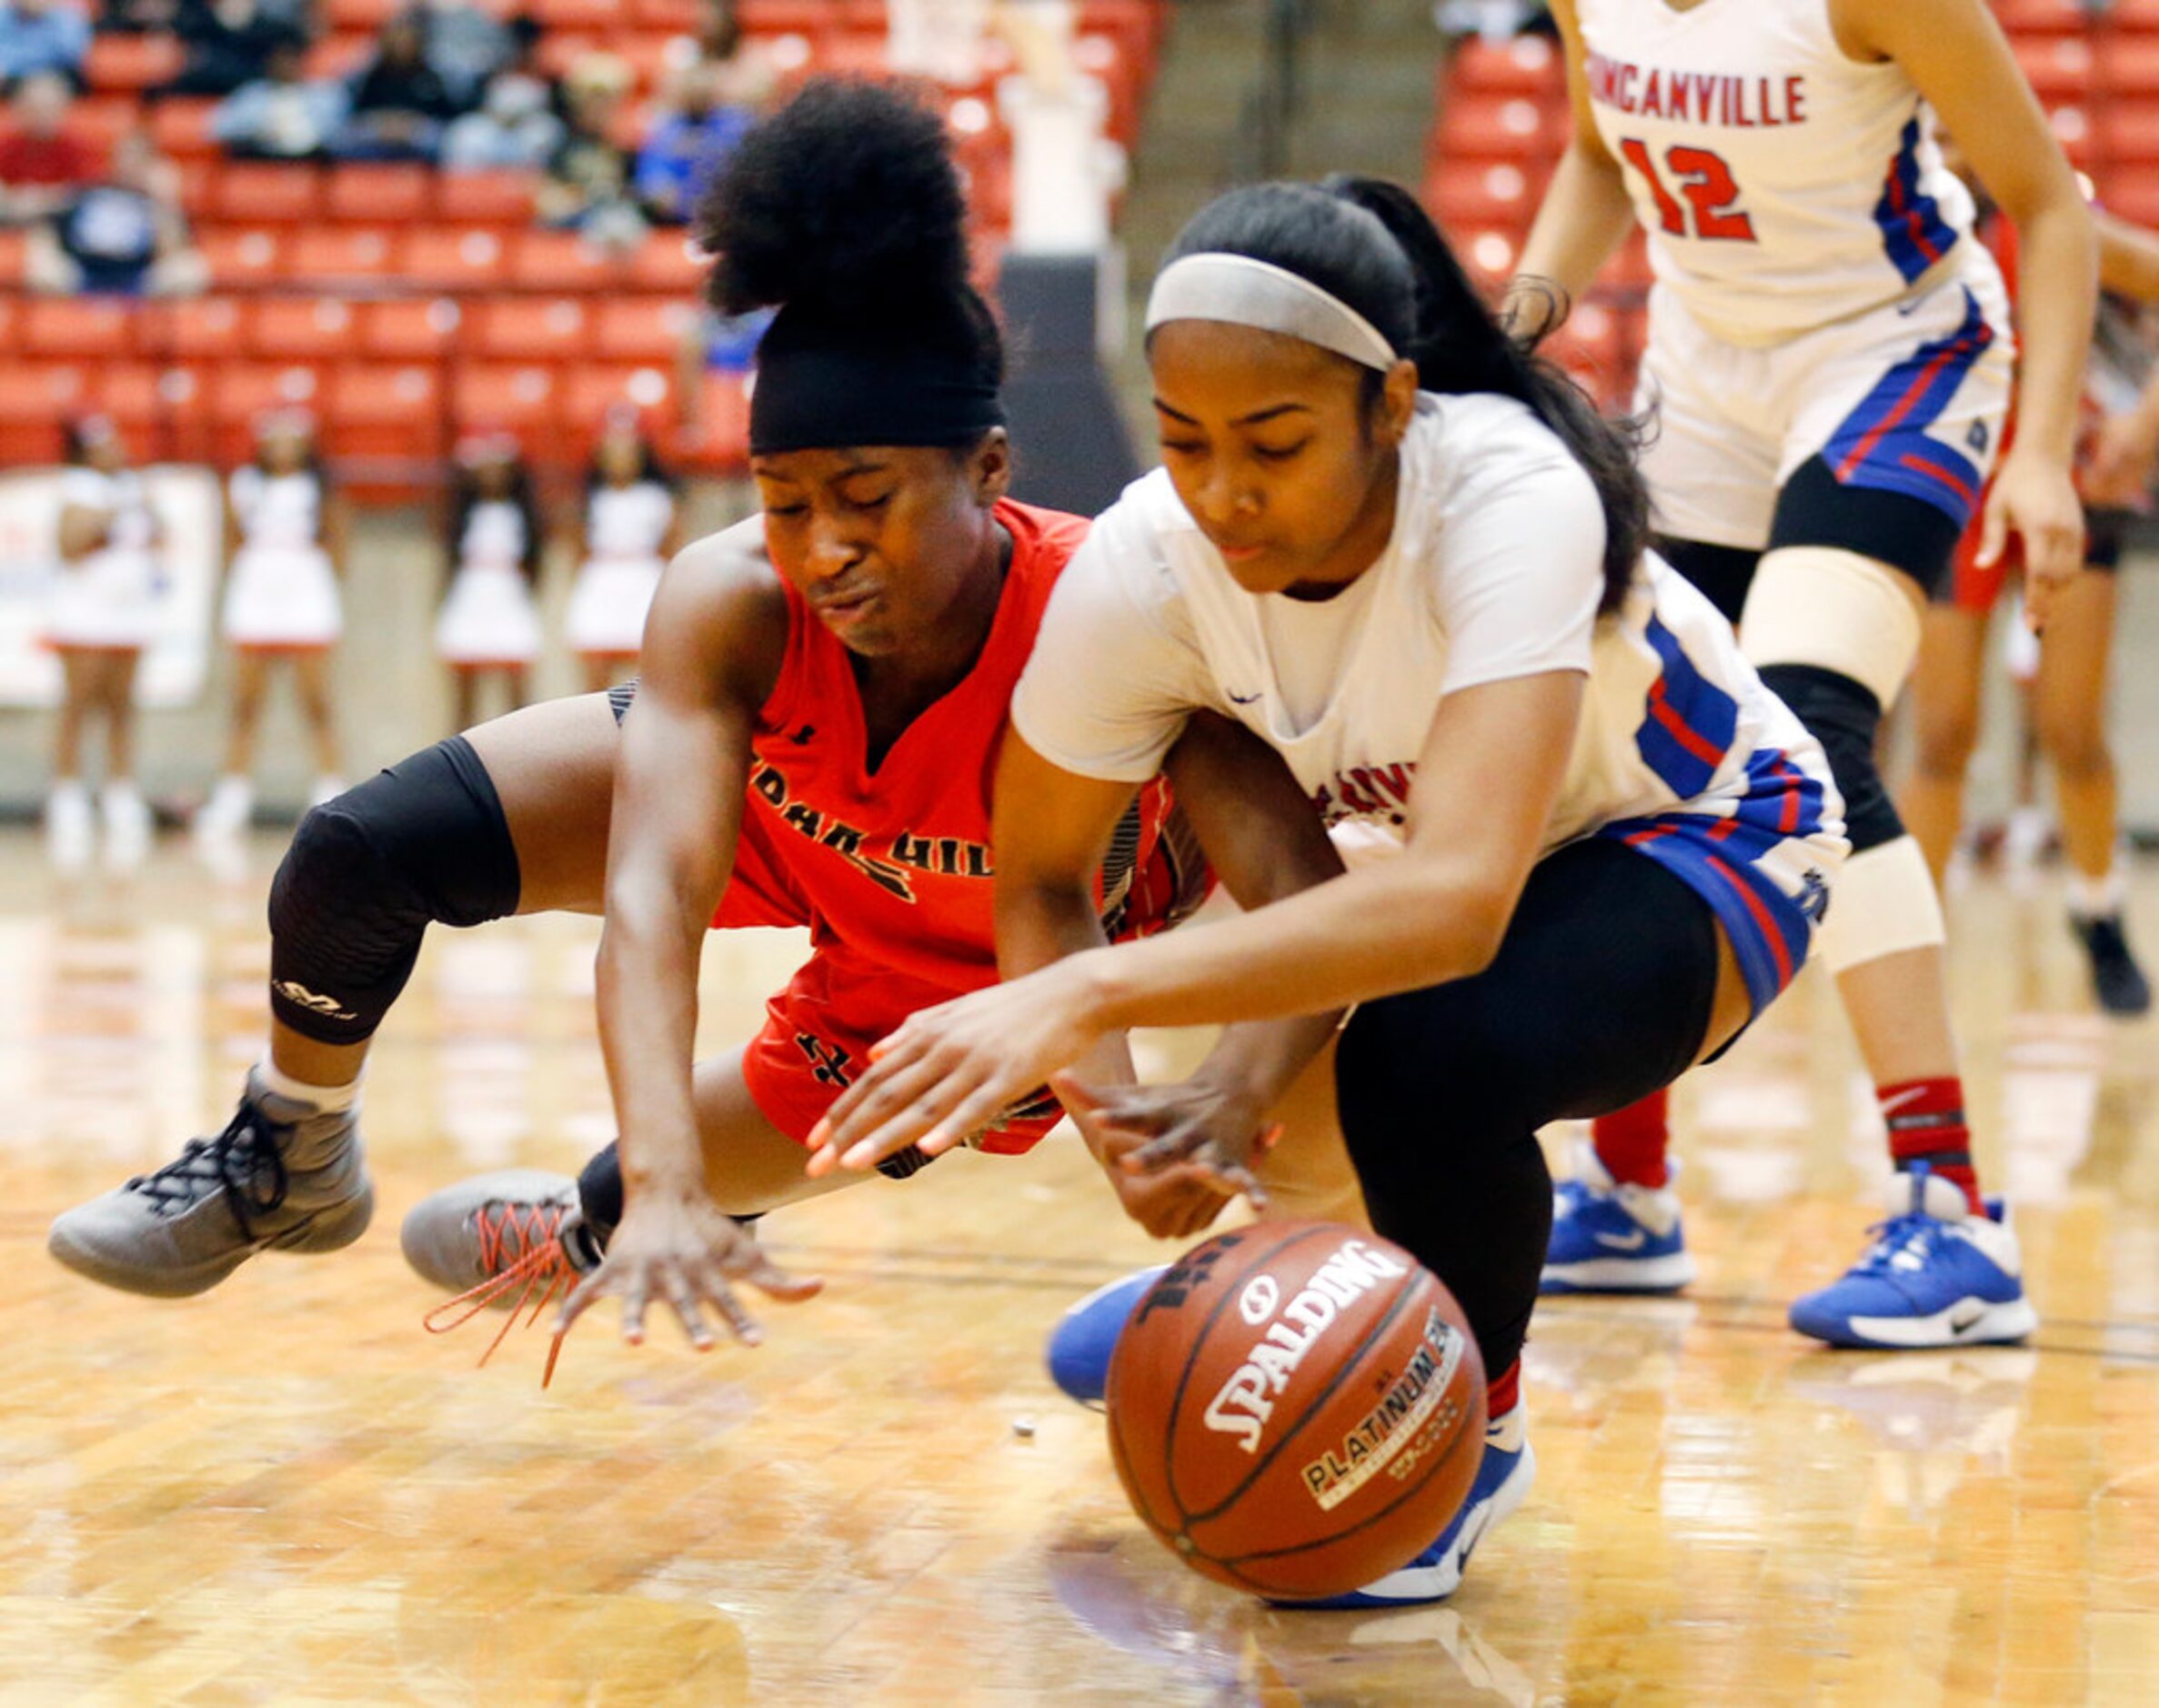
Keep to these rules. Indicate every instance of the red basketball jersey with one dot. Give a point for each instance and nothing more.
(895, 863)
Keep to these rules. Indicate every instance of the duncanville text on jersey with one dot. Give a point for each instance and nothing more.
(1700, 97)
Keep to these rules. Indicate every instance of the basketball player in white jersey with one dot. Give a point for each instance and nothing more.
(1410, 559)
(1830, 359)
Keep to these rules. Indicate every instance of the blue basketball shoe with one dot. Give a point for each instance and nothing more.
(1936, 1275)
(1502, 1484)
(1609, 1238)
(1085, 1336)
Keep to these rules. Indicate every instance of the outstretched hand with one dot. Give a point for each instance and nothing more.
(2035, 500)
(1189, 1128)
(687, 1252)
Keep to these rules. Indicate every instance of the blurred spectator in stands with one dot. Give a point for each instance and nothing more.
(744, 72)
(41, 35)
(137, 17)
(588, 188)
(514, 127)
(400, 103)
(693, 135)
(468, 45)
(229, 42)
(43, 163)
(283, 114)
(125, 235)
(1492, 20)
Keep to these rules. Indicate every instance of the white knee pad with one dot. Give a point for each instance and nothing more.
(1836, 610)
(1881, 902)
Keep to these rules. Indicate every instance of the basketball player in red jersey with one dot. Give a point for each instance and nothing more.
(812, 743)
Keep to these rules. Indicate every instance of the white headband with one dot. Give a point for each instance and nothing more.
(1248, 293)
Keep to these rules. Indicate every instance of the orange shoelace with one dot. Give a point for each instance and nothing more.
(521, 1247)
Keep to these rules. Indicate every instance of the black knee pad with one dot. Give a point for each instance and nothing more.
(1845, 717)
(1723, 574)
(422, 842)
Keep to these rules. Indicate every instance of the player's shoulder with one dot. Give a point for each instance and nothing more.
(1468, 449)
(722, 596)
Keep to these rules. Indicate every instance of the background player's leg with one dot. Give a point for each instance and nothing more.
(69, 829)
(1947, 687)
(512, 819)
(2069, 702)
(311, 676)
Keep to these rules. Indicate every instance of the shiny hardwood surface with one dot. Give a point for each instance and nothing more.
(286, 1491)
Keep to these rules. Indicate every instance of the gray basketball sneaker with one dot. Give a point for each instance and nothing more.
(282, 1176)
(512, 1237)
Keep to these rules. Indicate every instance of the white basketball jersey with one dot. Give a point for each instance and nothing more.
(1784, 186)
(282, 511)
(1494, 571)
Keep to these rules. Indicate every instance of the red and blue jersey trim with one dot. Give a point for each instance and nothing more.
(1689, 721)
(1915, 235)
(1719, 855)
(1884, 443)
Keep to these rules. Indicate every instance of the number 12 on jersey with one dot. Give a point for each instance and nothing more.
(1704, 180)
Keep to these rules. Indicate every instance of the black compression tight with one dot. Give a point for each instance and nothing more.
(1602, 993)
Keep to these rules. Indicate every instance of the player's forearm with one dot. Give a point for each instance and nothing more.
(1586, 215)
(2058, 273)
(1039, 923)
(2128, 257)
(1402, 925)
(647, 1005)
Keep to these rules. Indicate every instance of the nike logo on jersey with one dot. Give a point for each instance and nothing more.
(1624, 1241)
(1243, 699)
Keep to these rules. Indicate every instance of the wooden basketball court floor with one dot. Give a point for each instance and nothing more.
(285, 1491)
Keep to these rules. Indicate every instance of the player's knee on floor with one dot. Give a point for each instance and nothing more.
(367, 873)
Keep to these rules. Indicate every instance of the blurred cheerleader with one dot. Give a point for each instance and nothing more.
(286, 539)
(103, 613)
(630, 530)
(490, 623)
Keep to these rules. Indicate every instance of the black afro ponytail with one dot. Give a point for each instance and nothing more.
(845, 200)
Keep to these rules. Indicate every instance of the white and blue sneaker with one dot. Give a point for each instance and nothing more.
(1502, 1484)
(1085, 1336)
(1936, 1275)
(1610, 1237)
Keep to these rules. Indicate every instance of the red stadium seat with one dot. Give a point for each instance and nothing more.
(2129, 135)
(313, 329)
(198, 186)
(12, 248)
(485, 199)
(372, 194)
(1529, 65)
(598, 387)
(325, 254)
(523, 398)
(1464, 194)
(800, 17)
(596, 15)
(240, 392)
(1591, 346)
(262, 193)
(339, 56)
(455, 259)
(562, 261)
(361, 17)
(388, 426)
(240, 256)
(665, 261)
(641, 328)
(101, 120)
(2059, 67)
(132, 62)
(2049, 17)
(180, 126)
(208, 329)
(1511, 127)
(677, 17)
(92, 327)
(411, 329)
(721, 442)
(35, 400)
(2129, 65)
(531, 329)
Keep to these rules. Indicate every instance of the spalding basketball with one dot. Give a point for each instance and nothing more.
(1296, 1409)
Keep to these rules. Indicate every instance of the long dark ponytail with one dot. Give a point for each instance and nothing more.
(1369, 243)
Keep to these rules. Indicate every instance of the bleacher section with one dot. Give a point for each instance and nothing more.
(1503, 121)
(405, 304)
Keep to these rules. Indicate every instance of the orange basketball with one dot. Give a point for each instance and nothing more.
(1297, 1408)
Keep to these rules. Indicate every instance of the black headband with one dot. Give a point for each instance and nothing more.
(823, 383)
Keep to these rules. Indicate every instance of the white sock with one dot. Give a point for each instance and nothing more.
(330, 1099)
(2098, 897)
